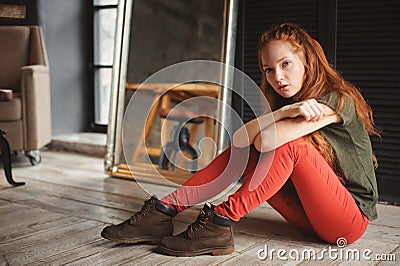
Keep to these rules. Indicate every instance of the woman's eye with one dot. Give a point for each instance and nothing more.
(268, 70)
(285, 63)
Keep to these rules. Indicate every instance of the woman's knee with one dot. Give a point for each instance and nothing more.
(295, 145)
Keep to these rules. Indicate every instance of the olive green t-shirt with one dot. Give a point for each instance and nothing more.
(352, 146)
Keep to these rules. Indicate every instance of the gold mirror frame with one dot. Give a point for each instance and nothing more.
(112, 162)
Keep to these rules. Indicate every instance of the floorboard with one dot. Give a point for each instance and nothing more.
(57, 217)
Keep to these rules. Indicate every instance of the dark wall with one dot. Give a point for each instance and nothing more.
(66, 32)
(67, 35)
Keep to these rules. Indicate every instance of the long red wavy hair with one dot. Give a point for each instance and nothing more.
(320, 77)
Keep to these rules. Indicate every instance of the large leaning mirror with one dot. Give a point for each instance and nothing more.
(162, 62)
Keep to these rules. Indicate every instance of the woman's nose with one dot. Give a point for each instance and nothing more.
(278, 75)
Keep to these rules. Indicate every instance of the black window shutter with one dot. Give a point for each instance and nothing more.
(259, 16)
(368, 55)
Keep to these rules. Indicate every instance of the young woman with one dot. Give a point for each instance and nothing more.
(317, 169)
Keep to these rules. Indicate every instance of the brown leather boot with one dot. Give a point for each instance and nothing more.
(150, 224)
(209, 234)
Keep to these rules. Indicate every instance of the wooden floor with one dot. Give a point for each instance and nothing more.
(57, 217)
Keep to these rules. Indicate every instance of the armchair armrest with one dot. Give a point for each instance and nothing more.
(36, 108)
(35, 69)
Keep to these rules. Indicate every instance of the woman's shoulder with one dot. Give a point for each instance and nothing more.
(342, 103)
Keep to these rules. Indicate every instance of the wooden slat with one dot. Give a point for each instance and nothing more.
(260, 15)
(67, 206)
(40, 246)
(368, 56)
(88, 249)
(47, 222)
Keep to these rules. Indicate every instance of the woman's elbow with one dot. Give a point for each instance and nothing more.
(258, 143)
(239, 140)
(264, 143)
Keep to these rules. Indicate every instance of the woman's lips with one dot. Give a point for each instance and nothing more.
(283, 87)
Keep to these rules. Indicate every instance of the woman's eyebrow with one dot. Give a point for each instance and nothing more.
(283, 58)
(279, 60)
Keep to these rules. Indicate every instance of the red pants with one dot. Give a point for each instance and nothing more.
(295, 180)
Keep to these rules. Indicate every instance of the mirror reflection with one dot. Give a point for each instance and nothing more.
(163, 34)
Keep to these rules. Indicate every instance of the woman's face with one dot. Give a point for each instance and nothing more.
(283, 68)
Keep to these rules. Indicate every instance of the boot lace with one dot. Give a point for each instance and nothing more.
(200, 222)
(146, 208)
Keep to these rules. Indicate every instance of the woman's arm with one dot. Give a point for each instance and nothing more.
(310, 110)
(246, 134)
(290, 129)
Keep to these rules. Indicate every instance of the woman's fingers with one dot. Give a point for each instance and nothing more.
(317, 109)
(312, 110)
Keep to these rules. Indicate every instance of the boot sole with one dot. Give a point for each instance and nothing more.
(213, 251)
(150, 240)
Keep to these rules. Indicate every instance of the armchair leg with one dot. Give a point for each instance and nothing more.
(6, 155)
(34, 157)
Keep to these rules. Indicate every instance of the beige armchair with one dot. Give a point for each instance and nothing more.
(24, 69)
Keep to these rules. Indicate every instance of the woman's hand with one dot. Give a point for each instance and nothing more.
(310, 110)
(297, 120)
